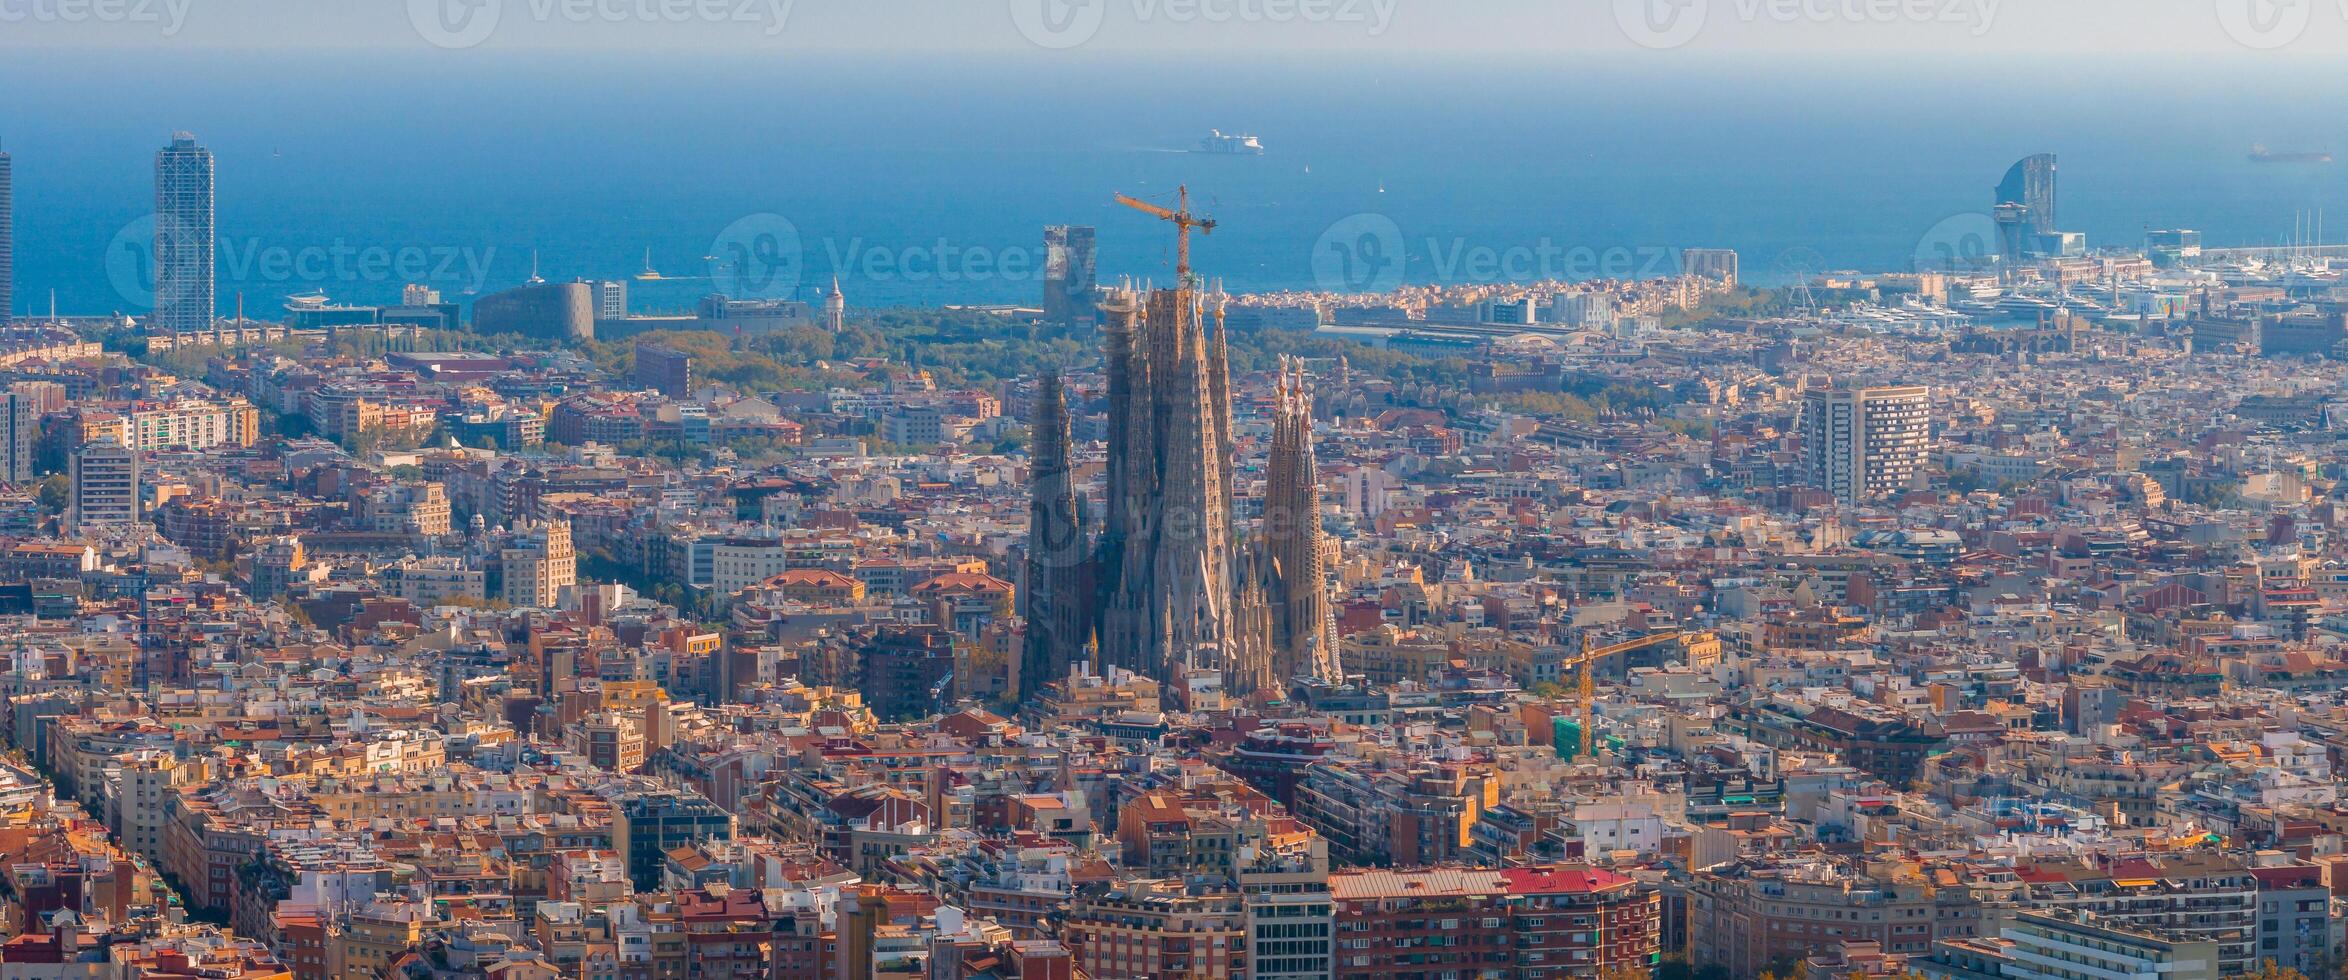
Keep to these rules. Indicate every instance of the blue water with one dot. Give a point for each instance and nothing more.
(458, 159)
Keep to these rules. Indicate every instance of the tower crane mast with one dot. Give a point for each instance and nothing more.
(1183, 219)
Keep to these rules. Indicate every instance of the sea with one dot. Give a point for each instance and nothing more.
(927, 179)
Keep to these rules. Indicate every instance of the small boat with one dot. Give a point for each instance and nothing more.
(2260, 154)
(649, 274)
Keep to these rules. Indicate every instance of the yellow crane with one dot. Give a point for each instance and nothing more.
(1588, 690)
(1182, 218)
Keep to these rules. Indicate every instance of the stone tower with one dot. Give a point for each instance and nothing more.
(1167, 551)
(1303, 640)
(1057, 600)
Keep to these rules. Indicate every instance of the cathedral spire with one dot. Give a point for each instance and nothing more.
(1056, 602)
(1304, 623)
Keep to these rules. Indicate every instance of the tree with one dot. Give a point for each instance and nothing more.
(56, 493)
(291, 426)
(2270, 970)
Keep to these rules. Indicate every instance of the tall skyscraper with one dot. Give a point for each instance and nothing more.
(1057, 597)
(105, 486)
(7, 239)
(1866, 443)
(2025, 206)
(185, 265)
(20, 429)
(1070, 274)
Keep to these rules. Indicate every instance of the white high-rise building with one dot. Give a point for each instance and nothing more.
(105, 486)
(1866, 443)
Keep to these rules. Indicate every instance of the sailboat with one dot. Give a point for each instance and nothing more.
(649, 274)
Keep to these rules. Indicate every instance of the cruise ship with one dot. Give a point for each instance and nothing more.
(1231, 145)
(2260, 154)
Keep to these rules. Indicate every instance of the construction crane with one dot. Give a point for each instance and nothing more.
(1182, 218)
(1588, 690)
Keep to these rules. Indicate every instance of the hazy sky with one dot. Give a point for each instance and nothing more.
(1679, 28)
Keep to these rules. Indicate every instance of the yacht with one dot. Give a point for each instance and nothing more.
(1231, 145)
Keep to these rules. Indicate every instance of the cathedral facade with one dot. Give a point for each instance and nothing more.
(1172, 589)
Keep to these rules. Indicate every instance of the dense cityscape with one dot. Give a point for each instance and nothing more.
(1976, 619)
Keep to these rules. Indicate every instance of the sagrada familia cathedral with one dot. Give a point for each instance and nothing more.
(1170, 587)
